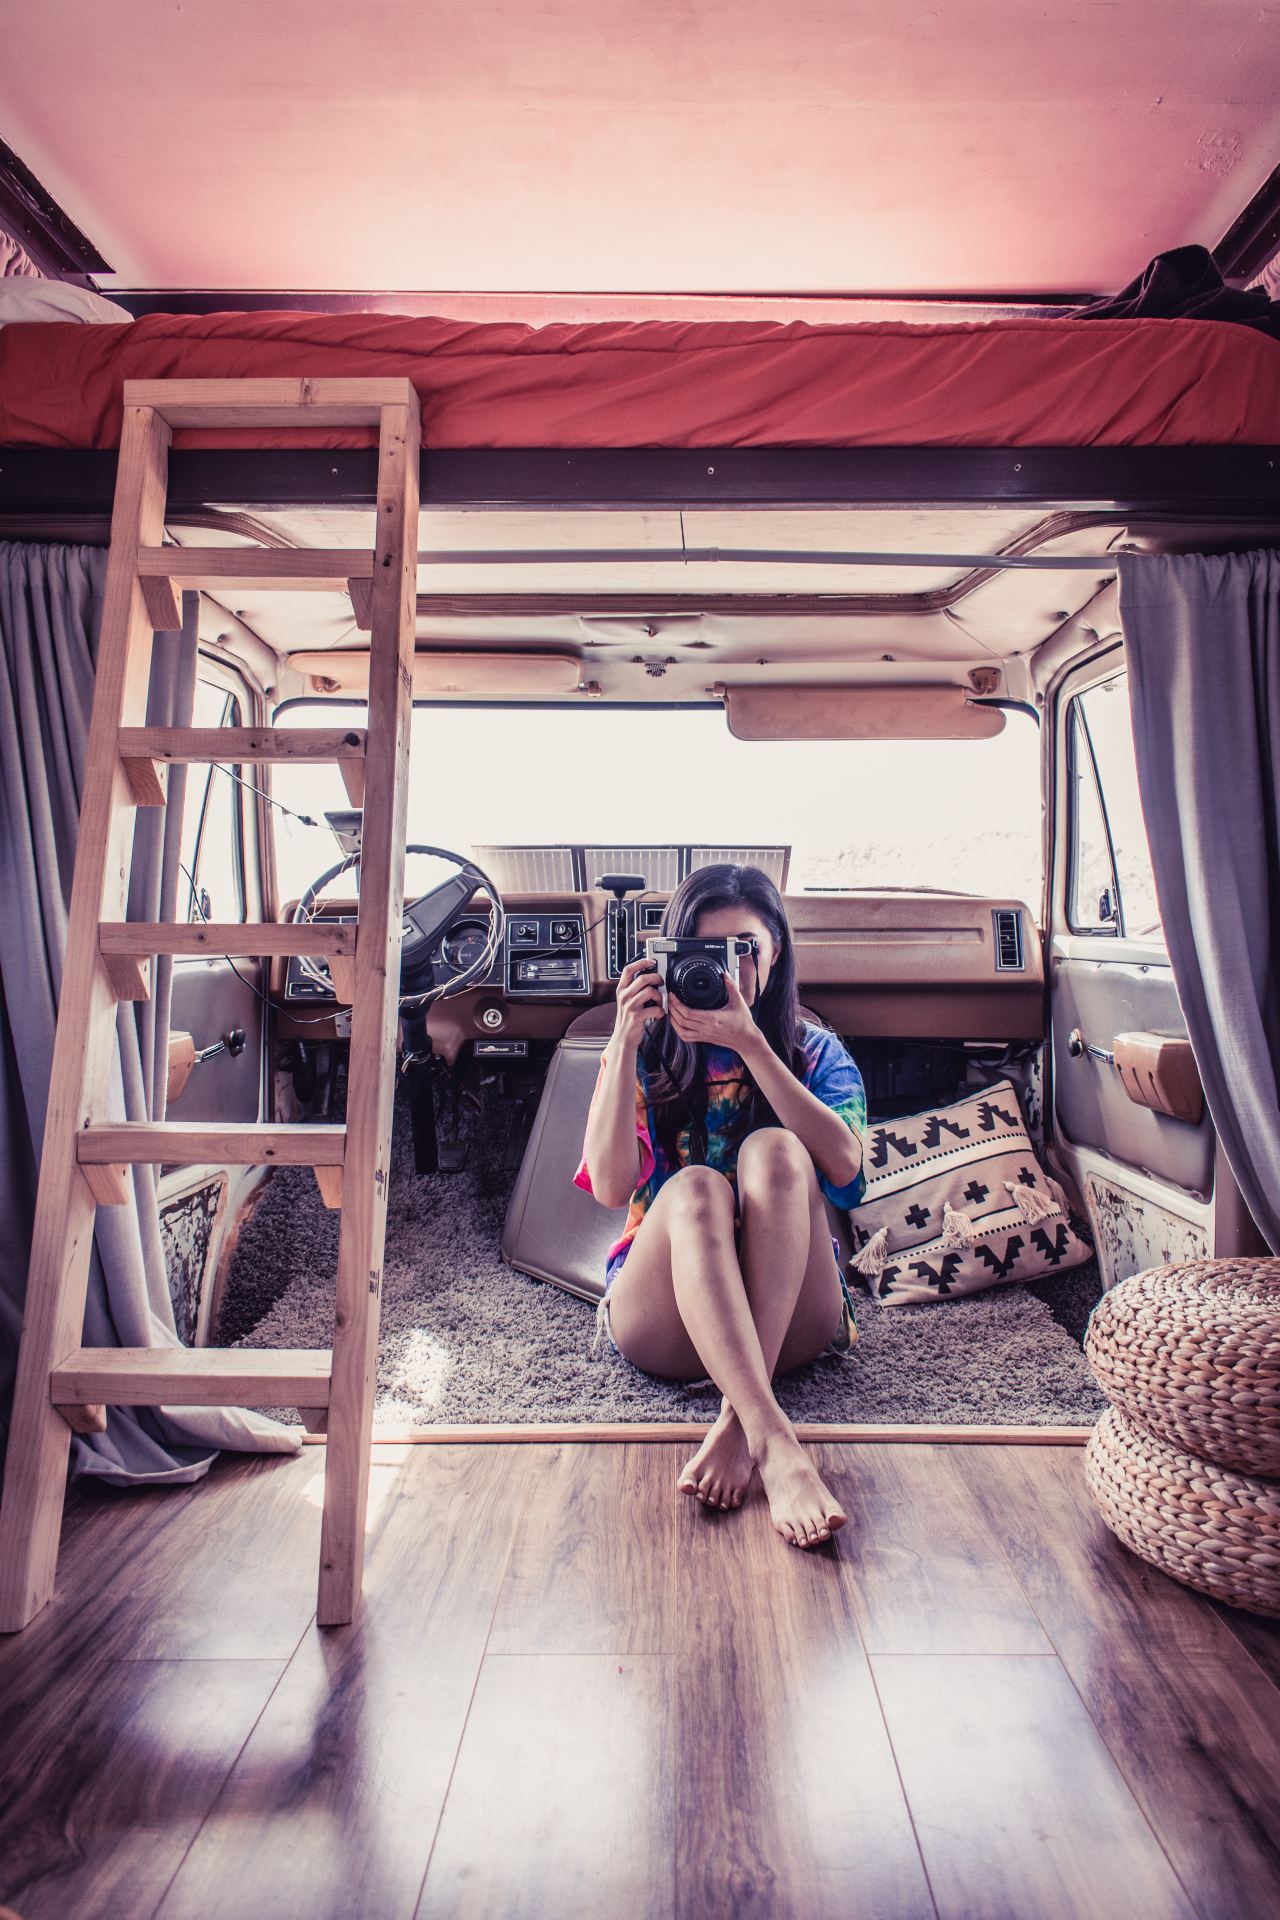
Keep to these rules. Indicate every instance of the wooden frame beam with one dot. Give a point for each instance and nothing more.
(689, 1433)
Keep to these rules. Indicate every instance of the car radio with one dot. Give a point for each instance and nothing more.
(547, 954)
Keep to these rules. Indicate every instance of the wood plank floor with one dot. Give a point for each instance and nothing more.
(573, 1693)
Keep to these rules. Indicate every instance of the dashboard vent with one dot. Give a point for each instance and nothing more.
(1008, 927)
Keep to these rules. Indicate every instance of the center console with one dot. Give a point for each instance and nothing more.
(628, 925)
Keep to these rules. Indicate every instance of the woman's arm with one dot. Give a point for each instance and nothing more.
(612, 1152)
(836, 1149)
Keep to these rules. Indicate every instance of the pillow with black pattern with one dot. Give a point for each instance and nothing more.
(955, 1202)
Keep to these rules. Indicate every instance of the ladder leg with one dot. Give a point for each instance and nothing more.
(371, 1077)
(35, 1472)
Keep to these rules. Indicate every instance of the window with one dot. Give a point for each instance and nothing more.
(211, 877)
(956, 815)
(1111, 886)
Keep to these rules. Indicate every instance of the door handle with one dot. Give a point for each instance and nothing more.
(1077, 1044)
(232, 1043)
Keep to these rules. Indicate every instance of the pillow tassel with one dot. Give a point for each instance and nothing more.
(1031, 1203)
(958, 1230)
(874, 1256)
(1059, 1194)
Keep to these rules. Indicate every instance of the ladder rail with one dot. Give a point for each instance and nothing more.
(375, 1011)
(62, 1236)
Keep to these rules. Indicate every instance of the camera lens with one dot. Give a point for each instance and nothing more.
(697, 980)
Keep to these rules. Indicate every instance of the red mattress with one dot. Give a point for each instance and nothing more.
(1005, 383)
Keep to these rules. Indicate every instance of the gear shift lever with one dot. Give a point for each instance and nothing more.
(621, 884)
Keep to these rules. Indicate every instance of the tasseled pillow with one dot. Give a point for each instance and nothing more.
(956, 1201)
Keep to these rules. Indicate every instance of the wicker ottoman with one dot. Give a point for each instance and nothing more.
(1192, 1353)
(1185, 1467)
(1210, 1528)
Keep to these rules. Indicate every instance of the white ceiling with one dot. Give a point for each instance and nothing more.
(644, 146)
(674, 651)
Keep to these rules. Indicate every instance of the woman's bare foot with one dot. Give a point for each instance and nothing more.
(720, 1471)
(802, 1508)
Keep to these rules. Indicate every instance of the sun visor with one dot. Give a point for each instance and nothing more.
(858, 713)
(483, 676)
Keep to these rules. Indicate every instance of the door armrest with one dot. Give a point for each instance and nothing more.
(1159, 1071)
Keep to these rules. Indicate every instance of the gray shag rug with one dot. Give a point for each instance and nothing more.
(468, 1340)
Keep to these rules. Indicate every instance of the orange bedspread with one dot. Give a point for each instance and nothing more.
(1007, 383)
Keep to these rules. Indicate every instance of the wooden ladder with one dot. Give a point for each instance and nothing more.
(62, 1386)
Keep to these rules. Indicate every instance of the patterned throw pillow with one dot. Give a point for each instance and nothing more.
(955, 1202)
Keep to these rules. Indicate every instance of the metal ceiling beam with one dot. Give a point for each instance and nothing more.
(1206, 480)
(1253, 236)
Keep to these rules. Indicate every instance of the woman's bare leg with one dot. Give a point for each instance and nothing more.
(680, 1308)
(795, 1307)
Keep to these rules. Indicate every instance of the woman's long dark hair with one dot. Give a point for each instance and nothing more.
(675, 1071)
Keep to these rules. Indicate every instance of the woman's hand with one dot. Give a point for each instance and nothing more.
(729, 1026)
(639, 1000)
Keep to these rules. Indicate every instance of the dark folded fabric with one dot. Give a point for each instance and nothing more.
(1184, 284)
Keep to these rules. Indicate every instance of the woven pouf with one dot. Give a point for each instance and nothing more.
(1191, 1352)
(1212, 1529)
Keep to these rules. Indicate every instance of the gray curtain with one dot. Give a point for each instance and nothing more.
(50, 613)
(1202, 641)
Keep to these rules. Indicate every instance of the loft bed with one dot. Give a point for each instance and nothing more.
(1143, 416)
(1123, 417)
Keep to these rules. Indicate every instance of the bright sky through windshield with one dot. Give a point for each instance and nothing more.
(949, 813)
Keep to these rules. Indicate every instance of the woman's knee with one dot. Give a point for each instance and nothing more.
(700, 1198)
(775, 1159)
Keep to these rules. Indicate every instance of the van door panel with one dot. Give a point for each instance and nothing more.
(1100, 998)
(1150, 1184)
(210, 1000)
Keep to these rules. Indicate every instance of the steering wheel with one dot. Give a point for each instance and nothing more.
(427, 921)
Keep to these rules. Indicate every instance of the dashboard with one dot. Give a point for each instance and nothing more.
(908, 965)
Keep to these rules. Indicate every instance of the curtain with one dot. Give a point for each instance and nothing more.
(50, 613)
(1202, 641)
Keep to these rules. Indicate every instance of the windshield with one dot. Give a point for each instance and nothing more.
(960, 815)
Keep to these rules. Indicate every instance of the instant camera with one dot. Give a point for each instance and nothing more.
(694, 970)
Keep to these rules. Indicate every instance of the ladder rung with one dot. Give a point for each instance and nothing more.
(186, 1143)
(192, 1377)
(263, 939)
(308, 569)
(144, 749)
(303, 402)
(162, 570)
(127, 945)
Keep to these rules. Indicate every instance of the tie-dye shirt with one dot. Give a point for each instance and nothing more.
(829, 1073)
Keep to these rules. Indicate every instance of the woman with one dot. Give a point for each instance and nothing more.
(726, 1128)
